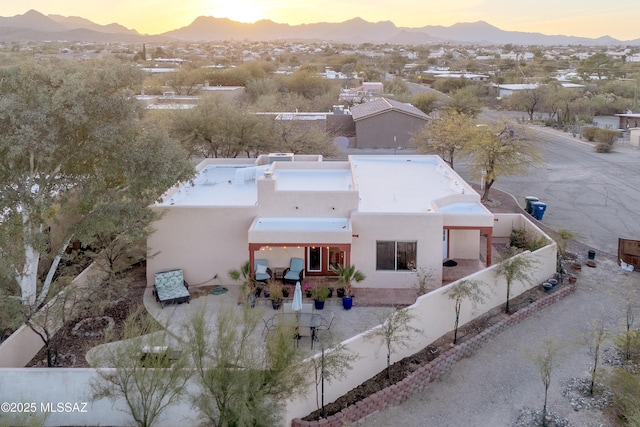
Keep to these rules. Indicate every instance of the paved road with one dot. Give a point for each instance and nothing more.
(595, 195)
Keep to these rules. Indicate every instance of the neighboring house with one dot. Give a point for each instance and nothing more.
(385, 123)
(628, 120)
(388, 215)
(506, 90)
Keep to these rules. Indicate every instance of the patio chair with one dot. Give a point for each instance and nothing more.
(287, 307)
(304, 331)
(294, 273)
(261, 270)
(325, 325)
(171, 288)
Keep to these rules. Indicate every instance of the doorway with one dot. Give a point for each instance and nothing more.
(320, 259)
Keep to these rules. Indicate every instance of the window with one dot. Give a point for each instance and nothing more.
(392, 255)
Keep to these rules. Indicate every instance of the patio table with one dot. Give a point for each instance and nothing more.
(309, 320)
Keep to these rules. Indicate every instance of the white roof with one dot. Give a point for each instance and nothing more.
(314, 179)
(405, 183)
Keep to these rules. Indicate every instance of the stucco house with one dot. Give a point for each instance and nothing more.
(388, 215)
(385, 123)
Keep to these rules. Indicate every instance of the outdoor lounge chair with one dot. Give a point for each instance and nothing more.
(294, 273)
(171, 288)
(261, 270)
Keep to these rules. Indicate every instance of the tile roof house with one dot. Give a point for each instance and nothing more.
(385, 123)
(388, 215)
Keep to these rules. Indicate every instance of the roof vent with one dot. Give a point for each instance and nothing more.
(280, 157)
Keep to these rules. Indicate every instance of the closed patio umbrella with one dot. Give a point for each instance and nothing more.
(297, 298)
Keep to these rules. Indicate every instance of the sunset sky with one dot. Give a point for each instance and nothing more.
(587, 18)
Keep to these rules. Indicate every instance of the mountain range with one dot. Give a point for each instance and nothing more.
(34, 26)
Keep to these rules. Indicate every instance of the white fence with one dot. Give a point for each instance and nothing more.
(433, 314)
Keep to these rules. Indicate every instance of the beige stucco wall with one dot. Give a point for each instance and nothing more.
(202, 241)
(434, 315)
(370, 227)
(464, 244)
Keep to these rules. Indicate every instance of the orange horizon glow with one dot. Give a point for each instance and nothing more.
(583, 18)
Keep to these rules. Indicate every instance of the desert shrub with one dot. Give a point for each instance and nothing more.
(607, 136)
(625, 387)
(603, 147)
(523, 239)
(589, 133)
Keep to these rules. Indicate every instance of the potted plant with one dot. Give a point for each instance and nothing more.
(248, 287)
(319, 293)
(275, 293)
(346, 275)
(286, 291)
(307, 290)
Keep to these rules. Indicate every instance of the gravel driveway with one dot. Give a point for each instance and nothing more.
(493, 386)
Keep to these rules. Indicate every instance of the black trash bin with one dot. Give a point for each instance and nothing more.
(592, 254)
(529, 200)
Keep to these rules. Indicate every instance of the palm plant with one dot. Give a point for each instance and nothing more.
(346, 275)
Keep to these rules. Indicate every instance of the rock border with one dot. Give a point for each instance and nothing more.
(418, 380)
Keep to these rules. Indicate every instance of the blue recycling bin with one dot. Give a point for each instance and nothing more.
(538, 209)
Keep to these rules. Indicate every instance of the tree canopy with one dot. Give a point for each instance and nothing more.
(74, 161)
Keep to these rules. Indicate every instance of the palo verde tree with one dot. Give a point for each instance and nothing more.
(243, 380)
(73, 159)
(331, 363)
(517, 268)
(147, 385)
(394, 332)
(500, 149)
(546, 358)
(446, 136)
(470, 290)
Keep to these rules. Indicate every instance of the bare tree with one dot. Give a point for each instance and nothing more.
(394, 332)
(594, 338)
(465, 290)
(546, 357)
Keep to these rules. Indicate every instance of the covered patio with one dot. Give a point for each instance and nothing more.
(321, 242)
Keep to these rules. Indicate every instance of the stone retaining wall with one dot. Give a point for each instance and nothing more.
(419, 379)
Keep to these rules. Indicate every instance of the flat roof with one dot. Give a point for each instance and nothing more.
(405, 183)
(219, 185)
(302, 224)
(464, 208)
(313, 179)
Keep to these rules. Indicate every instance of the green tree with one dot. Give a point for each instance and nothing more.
(394, 332)
(308, 83)
(500, 149)
(598, 65)
(397, 87)
(218, 128)
(426, 101)
(470, 290)
(516, 268)
(446, 136)
(242, 380)
(465, 101)
(292, 136)
(149, 385)
(72, 158)
(526, 100)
